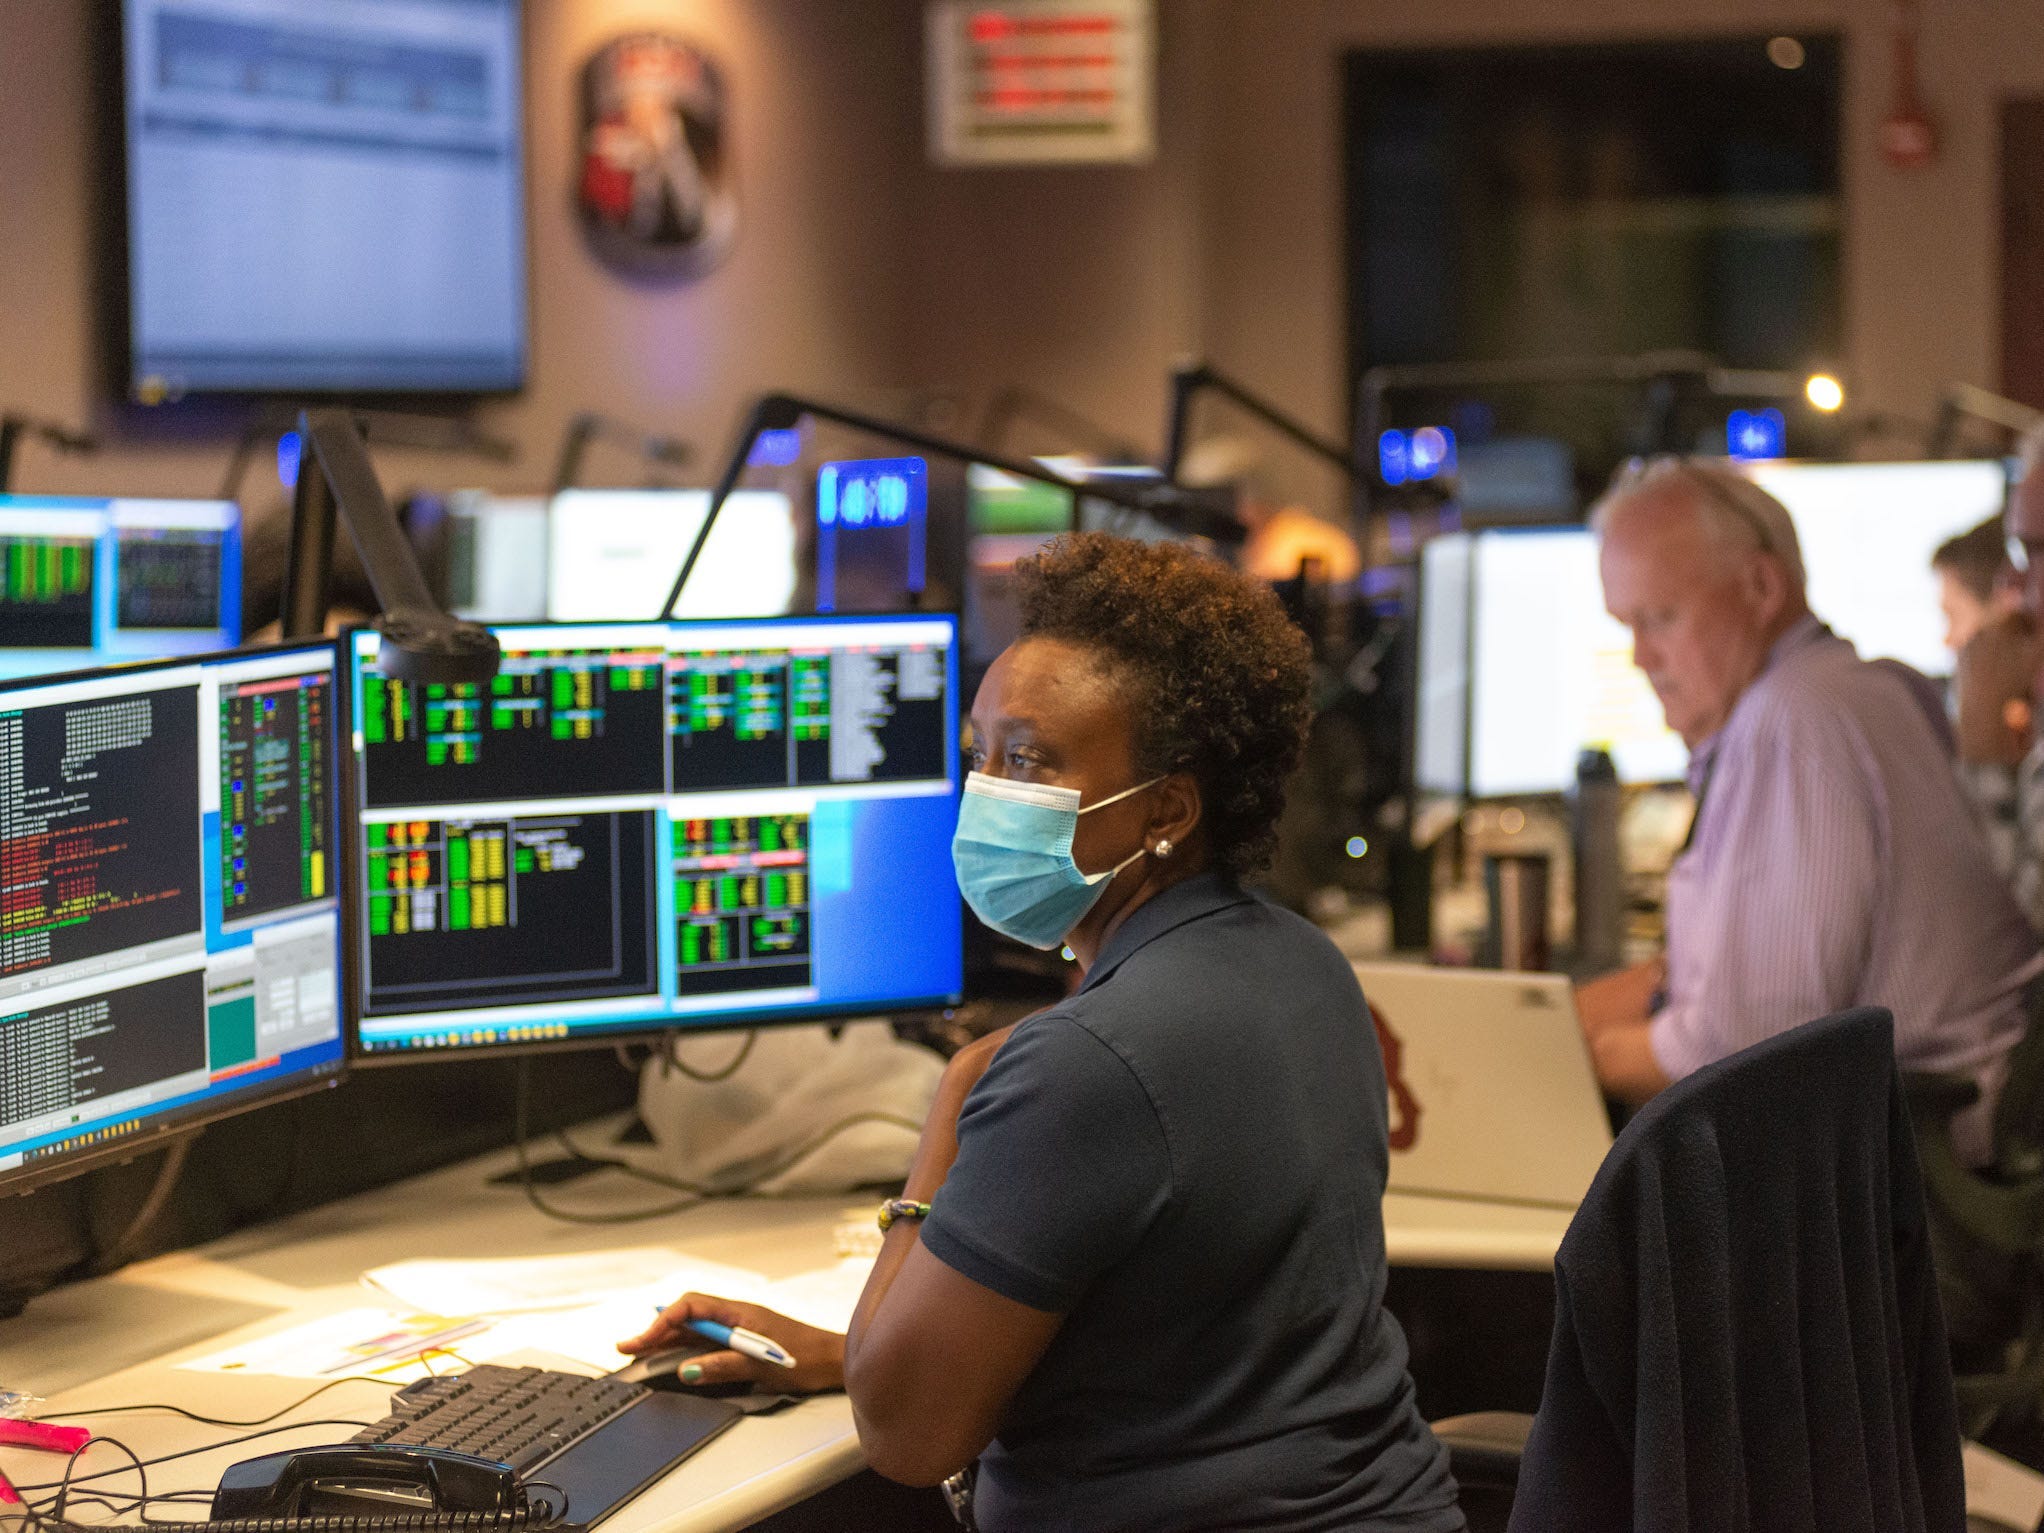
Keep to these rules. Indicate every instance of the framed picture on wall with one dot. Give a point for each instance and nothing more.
(655, 187)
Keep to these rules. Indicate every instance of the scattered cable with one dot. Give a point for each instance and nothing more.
(217, 1421)
(671, 1045)
(693, 1193)
(520, 1137)
(232, 1442)
(71, 1468)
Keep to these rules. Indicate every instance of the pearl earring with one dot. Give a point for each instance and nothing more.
(1164, 847)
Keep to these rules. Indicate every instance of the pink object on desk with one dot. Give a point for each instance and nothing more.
(9, 1496)
(16, 1433)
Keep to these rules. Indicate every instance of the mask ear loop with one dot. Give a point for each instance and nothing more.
(1163, 848)
(1124, 793)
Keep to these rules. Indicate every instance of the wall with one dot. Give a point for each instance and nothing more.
(1920, 248)
(863, 269)
(824, 114)
(1231, 244)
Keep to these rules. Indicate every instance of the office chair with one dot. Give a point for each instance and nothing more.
(1987, 1234)
(1747, 1331)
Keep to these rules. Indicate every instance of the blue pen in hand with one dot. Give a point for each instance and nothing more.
(738, 1339)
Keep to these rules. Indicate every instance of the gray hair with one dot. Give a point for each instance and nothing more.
(1737, 513)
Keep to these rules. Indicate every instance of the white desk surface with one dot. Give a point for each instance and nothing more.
(115, 1340)
(1424, 1230)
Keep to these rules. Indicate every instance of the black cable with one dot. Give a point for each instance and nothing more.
(217, 1421)
(71, 1467)
(232, 1442)
(117, 1252)
(694, 1192)
(671, 1041)
(519, 1138)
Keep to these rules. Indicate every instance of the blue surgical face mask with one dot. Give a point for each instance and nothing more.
(1013, 853)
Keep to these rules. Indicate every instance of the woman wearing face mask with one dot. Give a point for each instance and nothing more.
(1138, 1265)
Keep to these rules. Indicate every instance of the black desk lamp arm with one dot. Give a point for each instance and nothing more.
(337, 479)
(1188, 381)
(781, 412)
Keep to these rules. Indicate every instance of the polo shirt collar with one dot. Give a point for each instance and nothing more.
(1200, 895)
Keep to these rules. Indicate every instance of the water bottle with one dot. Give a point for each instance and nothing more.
(1600, 875)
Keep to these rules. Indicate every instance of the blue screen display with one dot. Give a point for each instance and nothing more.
(170, 942)
(325, 196)
(640, 826)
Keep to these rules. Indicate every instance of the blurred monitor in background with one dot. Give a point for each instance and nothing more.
(1868, 533)
(497, 552)
(1007, 518)
(613, 554)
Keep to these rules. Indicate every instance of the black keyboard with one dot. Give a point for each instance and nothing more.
(516, 1416)
(599, 1441)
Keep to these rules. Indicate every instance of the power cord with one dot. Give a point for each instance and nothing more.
(217, 1421)
(117, 1252)
(71, 1477)
(694, 1192)
(671, 1049)
(50, 1516)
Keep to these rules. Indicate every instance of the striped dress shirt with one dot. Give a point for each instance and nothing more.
(1835, 863)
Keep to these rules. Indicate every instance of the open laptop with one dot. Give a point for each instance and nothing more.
(1492, 1092)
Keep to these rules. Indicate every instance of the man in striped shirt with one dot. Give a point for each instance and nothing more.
(1834, 862)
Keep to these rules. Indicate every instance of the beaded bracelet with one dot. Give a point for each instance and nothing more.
(901, 1208)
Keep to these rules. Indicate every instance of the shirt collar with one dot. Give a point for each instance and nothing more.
(1188, 900)
(1805, 631)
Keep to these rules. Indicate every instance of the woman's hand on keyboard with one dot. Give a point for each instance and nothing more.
(819, 1355)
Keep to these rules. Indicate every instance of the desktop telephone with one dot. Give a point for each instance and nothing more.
(363, 1478)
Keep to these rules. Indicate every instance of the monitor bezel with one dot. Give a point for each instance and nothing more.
(653, 1030)
(168, 1128)
(117, 272)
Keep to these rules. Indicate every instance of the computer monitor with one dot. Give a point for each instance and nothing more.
(1868, 531)
(87, 580)
(325, 197)
(872, 534)
(1545, 670)
(497, 554)
(1441, 697)
(613, 554)
(169, 923)
(644, 826)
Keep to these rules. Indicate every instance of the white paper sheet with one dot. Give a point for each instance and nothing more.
(517, 1285)
(357, 1341)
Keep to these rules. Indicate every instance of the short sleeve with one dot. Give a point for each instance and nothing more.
(1062, 1165)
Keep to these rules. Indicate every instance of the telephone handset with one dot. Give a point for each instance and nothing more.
(356, 1478)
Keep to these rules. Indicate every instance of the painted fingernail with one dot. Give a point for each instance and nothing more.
(691, 1373)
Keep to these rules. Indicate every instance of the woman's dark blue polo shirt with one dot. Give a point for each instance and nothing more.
(1187, 1160)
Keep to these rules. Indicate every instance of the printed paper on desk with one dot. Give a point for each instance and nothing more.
(355, 1341)
(514, 1285)
(823, 1297)
(587, 1336)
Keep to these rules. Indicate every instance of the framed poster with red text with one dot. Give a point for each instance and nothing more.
(1036, 82)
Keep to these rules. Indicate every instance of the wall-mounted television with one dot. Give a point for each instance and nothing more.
(324, 196)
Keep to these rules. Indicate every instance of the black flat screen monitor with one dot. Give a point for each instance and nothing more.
(638, 827)
(324, 195)
(169, 921)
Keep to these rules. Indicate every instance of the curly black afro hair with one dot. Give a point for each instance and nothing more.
(1218, 675)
